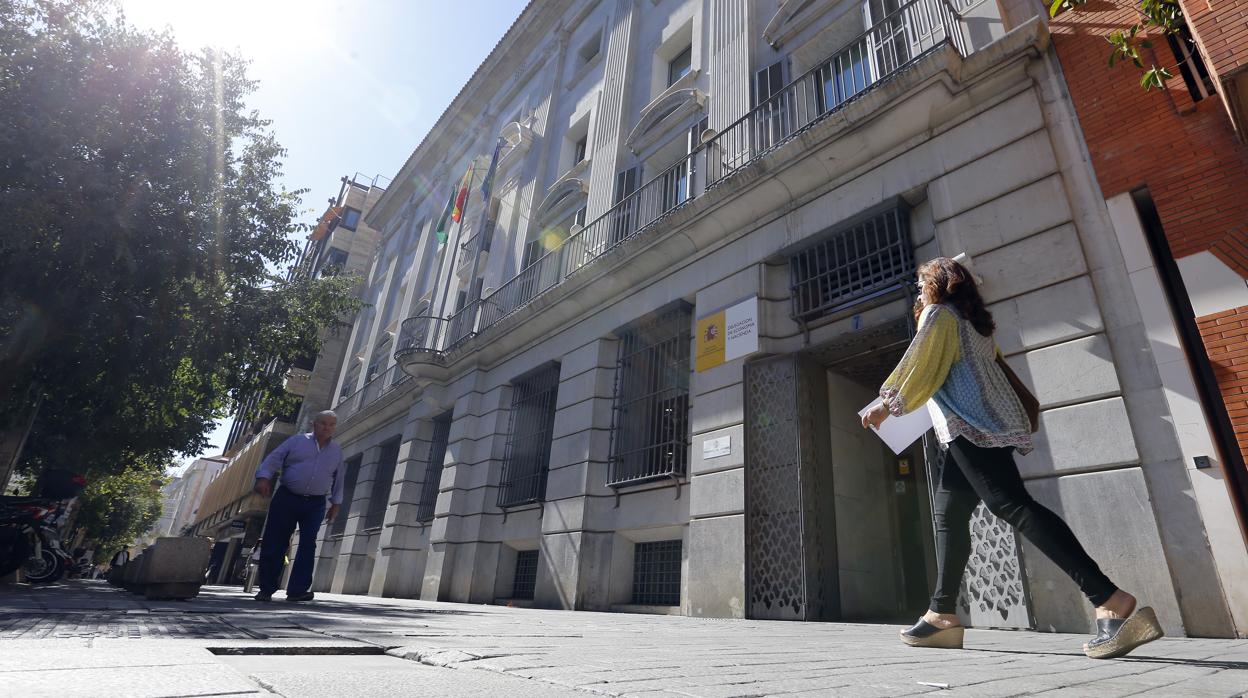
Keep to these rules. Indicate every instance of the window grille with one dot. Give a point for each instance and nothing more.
(350, 470)
(528, 440)
(379, 495)
(526, 575)
(650, 434)
(433, 469)
(656, 573)
(854, 265)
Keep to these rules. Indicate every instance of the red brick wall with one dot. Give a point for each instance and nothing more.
(1221, 28)
(1185, 152)
(1226, 339)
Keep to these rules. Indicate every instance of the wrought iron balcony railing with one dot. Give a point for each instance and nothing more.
(384, 383)
(889, 45)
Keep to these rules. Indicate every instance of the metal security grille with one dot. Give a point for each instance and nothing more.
(853, 265)
(350, 469)
(433, 468)
(526, 575)
(379, 494)
(528, 440)
(656, 573)
(650, 435)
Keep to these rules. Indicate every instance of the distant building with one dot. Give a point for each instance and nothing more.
(229, 512)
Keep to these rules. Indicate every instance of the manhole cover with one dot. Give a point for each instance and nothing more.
(119, 624)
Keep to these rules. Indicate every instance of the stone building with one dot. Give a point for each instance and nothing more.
(629, 378)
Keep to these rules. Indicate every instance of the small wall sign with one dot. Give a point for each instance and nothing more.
(717, 447)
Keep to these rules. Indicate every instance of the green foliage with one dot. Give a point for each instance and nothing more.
(143, 222)
(1163, 16)
(116, 509)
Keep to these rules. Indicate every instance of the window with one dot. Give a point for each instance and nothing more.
(350, 218)
(348, 383)
(526, 575)
(625, 184)
(679, 66)
(590, 49)
(334, 261)
(578, 149)
(433, 469)
(379, 495)
(528, 439)
(350, 469)
(854, 264)
(773, 121)
(656, 573)
(1191, 65)
(650, 430)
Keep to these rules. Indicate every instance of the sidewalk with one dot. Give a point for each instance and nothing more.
(85, 638)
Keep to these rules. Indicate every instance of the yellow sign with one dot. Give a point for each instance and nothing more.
(726, 334)
(710, 342)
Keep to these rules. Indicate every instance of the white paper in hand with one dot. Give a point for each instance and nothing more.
(899, 432)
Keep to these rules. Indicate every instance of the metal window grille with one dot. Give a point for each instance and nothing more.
(526, 575)
(650, 434)
(379, 495)
(851, 266)
(350, 470)
(656, 573)
(528, 440)
(433, 469)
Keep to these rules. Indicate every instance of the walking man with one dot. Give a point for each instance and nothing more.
(311, 468)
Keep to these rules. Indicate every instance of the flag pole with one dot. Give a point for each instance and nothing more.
(474, 294)
(450, 272)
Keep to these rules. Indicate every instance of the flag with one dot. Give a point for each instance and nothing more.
(488, 182)
(461, 198)
(444, 221)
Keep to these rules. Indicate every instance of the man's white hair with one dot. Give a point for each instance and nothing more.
(324, 413)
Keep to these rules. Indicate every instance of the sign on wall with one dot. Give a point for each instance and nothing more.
(726, 334)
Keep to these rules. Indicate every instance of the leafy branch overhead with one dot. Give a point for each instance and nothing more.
(140, 294)
(1165, 16)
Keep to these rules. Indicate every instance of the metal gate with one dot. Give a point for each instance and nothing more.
(791, 565)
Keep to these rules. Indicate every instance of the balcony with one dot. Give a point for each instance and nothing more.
(297, 381)
(383, 384)
(895, 42)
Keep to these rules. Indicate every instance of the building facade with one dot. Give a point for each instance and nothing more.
(629, 377)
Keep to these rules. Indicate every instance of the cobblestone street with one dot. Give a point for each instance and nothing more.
(92, 640)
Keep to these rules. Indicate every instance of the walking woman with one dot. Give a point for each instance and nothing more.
(980, 419)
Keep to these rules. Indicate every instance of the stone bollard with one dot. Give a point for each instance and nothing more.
(174, 567)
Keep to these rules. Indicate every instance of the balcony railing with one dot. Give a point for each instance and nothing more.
(892, 43)
(383, 384)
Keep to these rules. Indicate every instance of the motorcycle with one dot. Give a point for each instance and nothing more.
(30, 528)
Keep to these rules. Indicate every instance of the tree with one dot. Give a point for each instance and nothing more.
(116, 509)
(1164, 16)
(143, 226)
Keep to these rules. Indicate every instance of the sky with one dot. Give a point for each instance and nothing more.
(350, 87)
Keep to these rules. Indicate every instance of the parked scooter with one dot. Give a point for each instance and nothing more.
(30, 528)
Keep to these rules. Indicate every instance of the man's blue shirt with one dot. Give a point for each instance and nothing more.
(307, 469)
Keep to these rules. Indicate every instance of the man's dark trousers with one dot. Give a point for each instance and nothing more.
(285, 512)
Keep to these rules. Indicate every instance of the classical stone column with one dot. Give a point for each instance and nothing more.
(352, 570)
(729, 99)
(612, 118)
(575, 567)
(404, 539)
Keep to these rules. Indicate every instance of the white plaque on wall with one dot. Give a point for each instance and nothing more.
(714, 448)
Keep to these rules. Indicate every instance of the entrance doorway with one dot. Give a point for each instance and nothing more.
(838, 527)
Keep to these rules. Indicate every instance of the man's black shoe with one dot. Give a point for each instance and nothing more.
(305, 596)
(263, 596)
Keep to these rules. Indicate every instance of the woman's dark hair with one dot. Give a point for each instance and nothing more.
(949, 283)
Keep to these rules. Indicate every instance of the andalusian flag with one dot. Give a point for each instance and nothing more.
(444, 221)
(461, 198)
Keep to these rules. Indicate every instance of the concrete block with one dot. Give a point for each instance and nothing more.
(1111, 515)
(717, 494)
(1047, 316)
(1040, 260)
(718, 409)
(1081, 437)
(716, 559)
(590, 444)
(1016, 165)
(597, 383)
(583, 415)
(175, 567)
(1019, 214)
(1075, 371)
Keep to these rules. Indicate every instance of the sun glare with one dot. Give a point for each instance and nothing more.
(258, 29)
